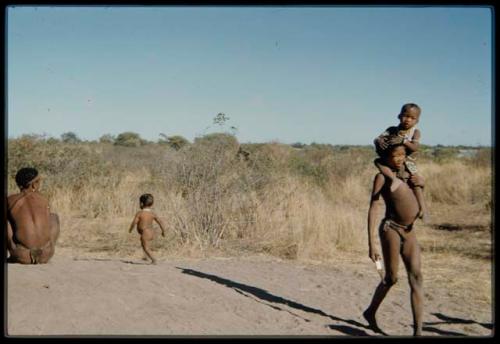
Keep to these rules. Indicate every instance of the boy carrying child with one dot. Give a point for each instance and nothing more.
(406, 134)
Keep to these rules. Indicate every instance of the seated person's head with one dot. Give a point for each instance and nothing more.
(146, 200)
(27, 176)
(394, 156)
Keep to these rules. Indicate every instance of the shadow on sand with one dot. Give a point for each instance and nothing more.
(263, 295)
(114, 260)
(445, 319)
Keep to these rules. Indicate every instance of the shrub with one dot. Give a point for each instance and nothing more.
(70, 137)
(129, 139)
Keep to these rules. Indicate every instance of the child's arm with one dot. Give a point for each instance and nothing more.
(158, 221)
(135, 221)
(412, 144)
(381, 141)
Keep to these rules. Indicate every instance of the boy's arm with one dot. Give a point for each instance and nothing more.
(376, 203)
(135, 221)
(158, 221)
(412, 144)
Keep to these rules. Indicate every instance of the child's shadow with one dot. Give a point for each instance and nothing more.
(264, 295)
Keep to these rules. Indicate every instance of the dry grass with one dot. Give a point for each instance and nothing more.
(304, 204)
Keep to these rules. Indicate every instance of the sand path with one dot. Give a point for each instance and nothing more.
(219, 296)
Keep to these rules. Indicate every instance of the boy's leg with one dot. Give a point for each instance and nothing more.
(145, 246)
(423, 213)
(411, 259)
(391, 244)
(387, 172)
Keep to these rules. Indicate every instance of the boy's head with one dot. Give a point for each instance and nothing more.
(146, 200)
(26, 176)
(409, 115)
(394, 156)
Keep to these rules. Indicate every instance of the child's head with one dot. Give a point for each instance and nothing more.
(27, 176)
(146, 200)
(394, 156)
(409, 115)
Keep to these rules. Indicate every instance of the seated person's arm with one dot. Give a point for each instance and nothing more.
(10, 234)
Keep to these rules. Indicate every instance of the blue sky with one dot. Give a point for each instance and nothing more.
(334, 75)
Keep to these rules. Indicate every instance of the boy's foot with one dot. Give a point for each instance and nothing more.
(153, 261)
(372, 322)
(396, 183)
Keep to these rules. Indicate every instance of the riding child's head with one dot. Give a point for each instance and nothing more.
(409, 115)
(146, 201)
(28, 177)
(395, 156)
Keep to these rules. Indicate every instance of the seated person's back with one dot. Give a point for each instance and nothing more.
(32, 230)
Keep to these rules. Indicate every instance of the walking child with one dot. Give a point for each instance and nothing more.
(407, 134)
(397, 236)
(144, 222)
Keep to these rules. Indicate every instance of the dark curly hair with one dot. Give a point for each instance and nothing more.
(146, 200)
(409, 106)
(25, 175)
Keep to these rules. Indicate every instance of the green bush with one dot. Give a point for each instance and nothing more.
(129, 139)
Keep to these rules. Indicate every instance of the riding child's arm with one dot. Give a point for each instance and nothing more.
(414, 143)
(380, 141)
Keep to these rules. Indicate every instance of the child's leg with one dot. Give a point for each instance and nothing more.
(387, 172)
(418, 191)
(146, 238)
(419, 194)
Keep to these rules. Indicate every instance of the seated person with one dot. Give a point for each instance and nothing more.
(32, 230)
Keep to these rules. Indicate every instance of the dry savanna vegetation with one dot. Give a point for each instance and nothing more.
(219, 197)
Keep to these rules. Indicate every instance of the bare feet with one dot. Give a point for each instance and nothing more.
(372, 322)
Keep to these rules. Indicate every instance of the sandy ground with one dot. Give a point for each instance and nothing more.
(252, 296)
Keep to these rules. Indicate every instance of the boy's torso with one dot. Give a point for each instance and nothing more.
(146, 218)
(401, 205)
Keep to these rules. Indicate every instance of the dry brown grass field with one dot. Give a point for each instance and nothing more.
(306, 204)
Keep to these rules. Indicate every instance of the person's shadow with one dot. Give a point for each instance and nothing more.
(445, 319)
(262, 295)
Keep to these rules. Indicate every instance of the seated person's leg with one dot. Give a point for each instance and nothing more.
(17, 254)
